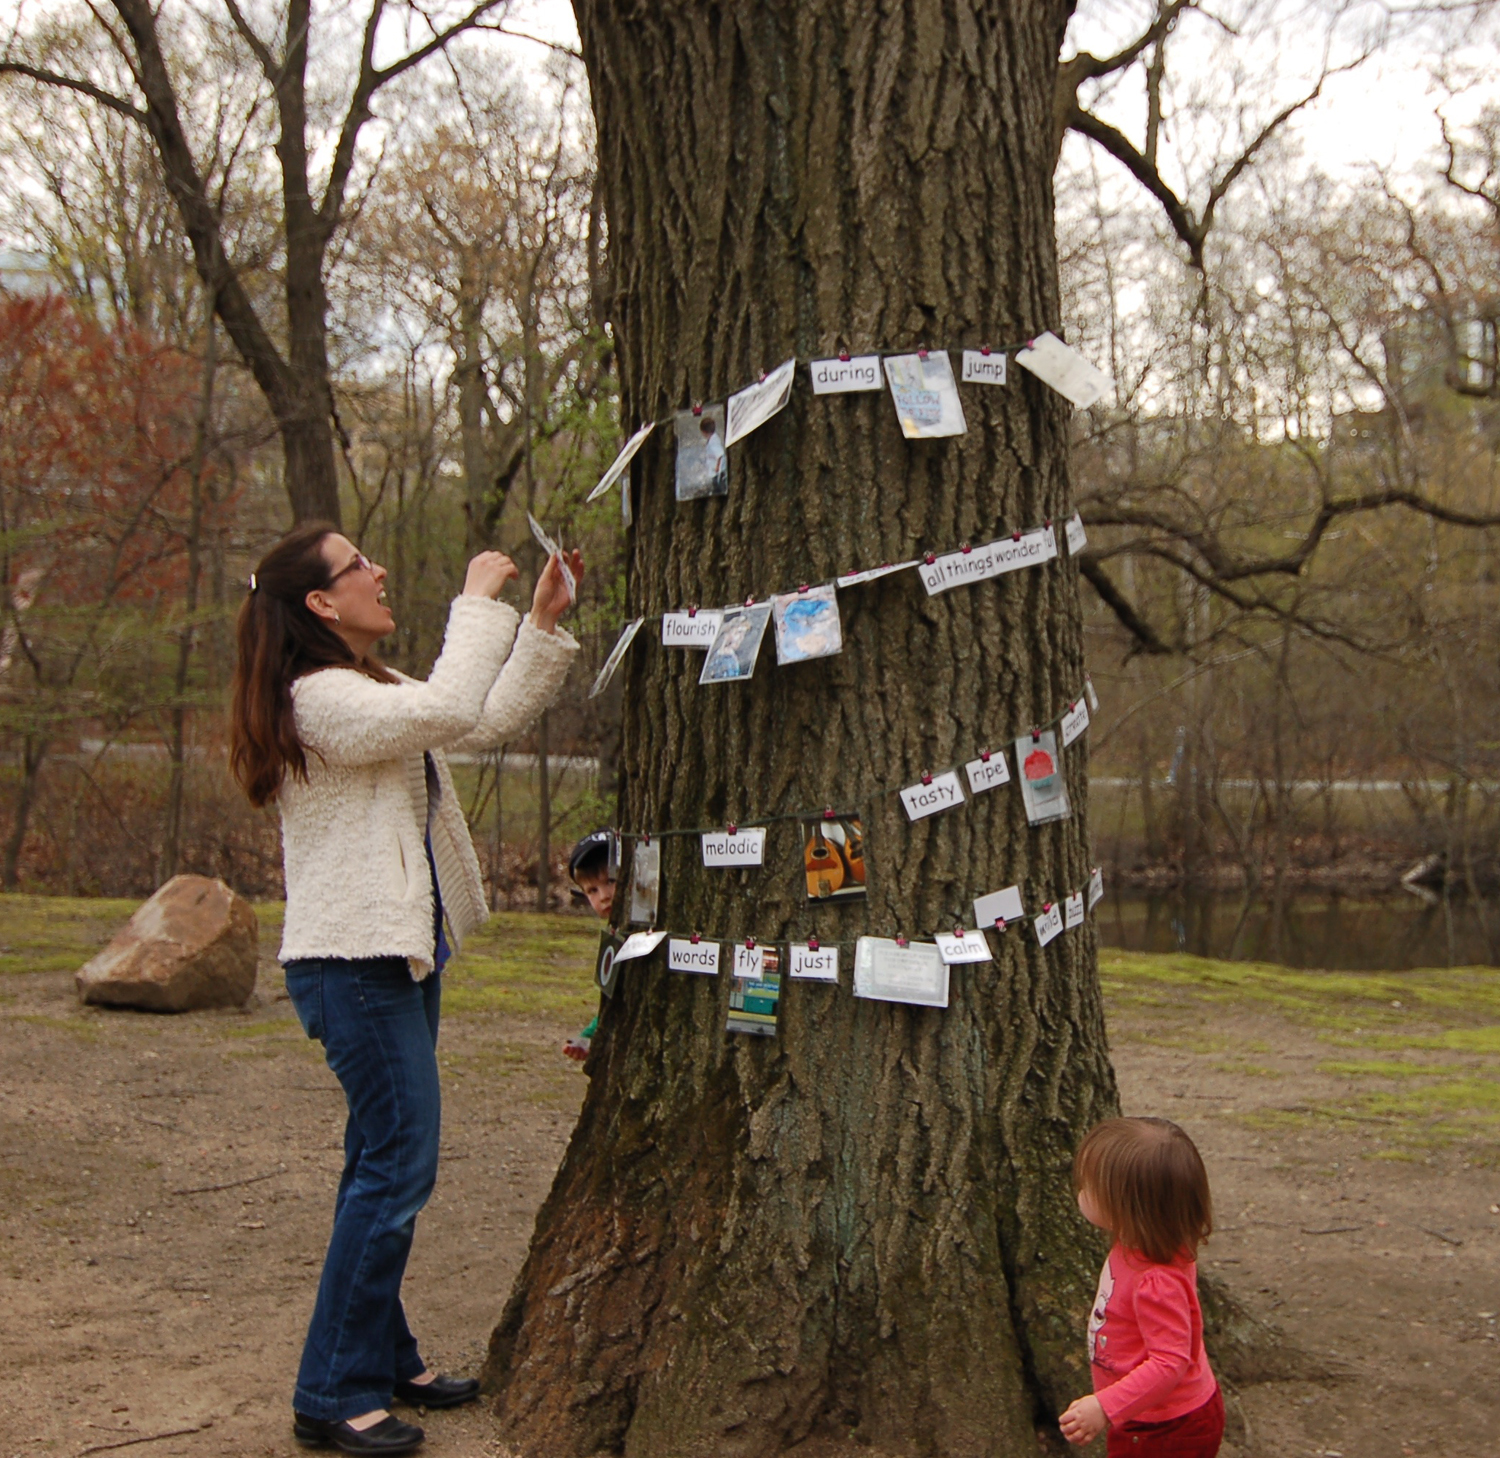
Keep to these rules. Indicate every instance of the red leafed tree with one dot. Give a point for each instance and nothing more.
(99, 441)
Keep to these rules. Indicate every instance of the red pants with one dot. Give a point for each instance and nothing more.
(1195, 1434)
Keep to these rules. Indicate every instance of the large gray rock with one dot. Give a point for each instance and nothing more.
(193, 944)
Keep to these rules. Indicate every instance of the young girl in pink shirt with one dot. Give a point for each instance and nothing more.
(1143, 1181)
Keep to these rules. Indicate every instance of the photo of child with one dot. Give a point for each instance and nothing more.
(702, 461)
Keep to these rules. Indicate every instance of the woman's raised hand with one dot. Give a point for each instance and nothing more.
(550, 600)
(488, 573)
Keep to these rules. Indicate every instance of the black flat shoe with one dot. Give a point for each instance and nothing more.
(389, 1435)
(440, 1392)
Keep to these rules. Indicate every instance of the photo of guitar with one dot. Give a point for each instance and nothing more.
(833, 857)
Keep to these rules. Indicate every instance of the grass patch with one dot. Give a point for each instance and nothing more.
(1382, 1068)
(526, 963)
(56, 933)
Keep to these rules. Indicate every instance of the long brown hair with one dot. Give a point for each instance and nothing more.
(279, 638)
(1148, 1180)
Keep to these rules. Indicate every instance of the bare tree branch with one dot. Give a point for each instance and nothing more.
(74, 83)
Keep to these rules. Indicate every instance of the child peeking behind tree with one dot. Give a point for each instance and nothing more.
(589, 868)
(1143, 1181)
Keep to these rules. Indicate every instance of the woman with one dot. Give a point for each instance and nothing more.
(377, 858)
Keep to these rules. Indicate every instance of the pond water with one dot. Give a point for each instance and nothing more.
(1340, 933)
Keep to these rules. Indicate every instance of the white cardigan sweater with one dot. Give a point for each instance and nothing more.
(352, 834)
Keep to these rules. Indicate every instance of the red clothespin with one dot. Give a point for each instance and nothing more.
(930, 558)
(804, 587)
(1015, 536)
(1000, 925)
(1036, 736)
(749, 944)
(829, 814)
(921, 351)
(984, 349)
(984, 756)
(696, 938)
(966, 549)
(749, 602)
(958, 931)
(693, 611)
(1072, 708)
(812, 944)
(762, 377)
(900, 940)
(733, 828)
(1047, 525)
(697, 407)
(926, 777)
(645, 837)
(1046, 907)
(844, 356)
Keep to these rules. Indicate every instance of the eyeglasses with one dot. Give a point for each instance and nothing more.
(360, 560)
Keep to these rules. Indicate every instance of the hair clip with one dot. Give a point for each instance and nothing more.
(253, 583)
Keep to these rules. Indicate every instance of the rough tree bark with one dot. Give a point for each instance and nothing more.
(866, 1223)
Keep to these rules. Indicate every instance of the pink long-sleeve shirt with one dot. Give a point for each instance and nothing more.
(1146, 1340)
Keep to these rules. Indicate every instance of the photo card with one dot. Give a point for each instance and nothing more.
(925, 394)
(552, 549)
(1073, 911)
(616, 657)
(889, 972)
(750, 408)
(1078, 539)
(645, 882)
(617, 467)
(833, 857)
(807, 624)
(1061, 366)
(702, 459)
(736, 645)
(1096, 888)
(1042, 787)
(753, 1000)
(1004, 905)
(639, 944)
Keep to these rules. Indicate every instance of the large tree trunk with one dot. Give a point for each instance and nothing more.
(866, 1223)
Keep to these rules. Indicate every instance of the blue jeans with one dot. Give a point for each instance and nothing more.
(379, 1031)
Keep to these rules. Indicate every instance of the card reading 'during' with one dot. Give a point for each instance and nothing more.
(738, 847)
(616, 657)
(843, 376)
(937, 792)
(639, 944)
(686, 955)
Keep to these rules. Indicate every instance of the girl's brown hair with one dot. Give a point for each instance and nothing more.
(279, 638)
(1148, 1180)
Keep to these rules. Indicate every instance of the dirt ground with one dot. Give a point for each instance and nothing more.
(168, 1181)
